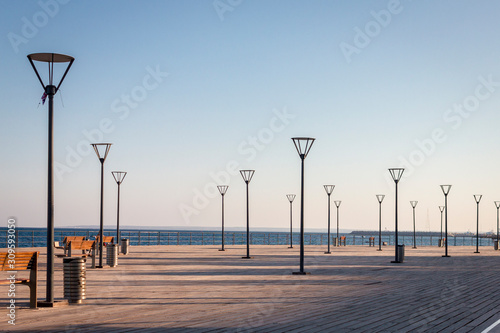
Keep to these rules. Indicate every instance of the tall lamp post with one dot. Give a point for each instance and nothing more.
(290, 198)
(49, 91)
(497, 205)
(477, 198)
(303, 146)
(222, 191)
(380, 198)
(337, 204)
(247, 177)
(446, 190)
(329, 190)
(441, 209)
(102, 150)
(119, 176)
(413, 205)
(396, 174)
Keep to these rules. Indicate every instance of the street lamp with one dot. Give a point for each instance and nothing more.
(303, 146)
(337, 204)
(102, 150)
(441, 209)
(119, 176)
(222, 191)
(446, 190)
(497, 205)
(49, 91)
(477, 198)
(290, 198)
(413, 205)
(380, 198)
(247, 177)
(329, 190)
(396, 174)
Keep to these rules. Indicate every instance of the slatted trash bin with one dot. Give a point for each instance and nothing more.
(495, 245)
(74, 279)
(335, 242)
(401, 253)
(125, 245)
(112, 255)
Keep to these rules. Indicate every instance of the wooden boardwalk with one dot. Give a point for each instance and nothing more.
(200, 289)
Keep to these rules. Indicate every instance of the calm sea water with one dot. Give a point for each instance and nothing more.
(37, 237)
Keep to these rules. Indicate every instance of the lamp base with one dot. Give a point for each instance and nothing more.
(290, 247)
(379, 249)
(222, 250)
(246, 257)
(477, 252)
(301, 273)
(54, 304)
(328, 252)
(396, 262)
(446, 256)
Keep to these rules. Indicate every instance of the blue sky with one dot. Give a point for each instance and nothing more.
(190, 91)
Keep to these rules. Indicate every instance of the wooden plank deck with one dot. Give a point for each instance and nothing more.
(200, 289)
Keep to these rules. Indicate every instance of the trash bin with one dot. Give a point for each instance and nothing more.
(441, 242)
(335, 241)
(495, 245)
(74, 279)
(125, 245)
(401, 253)
(112, 255)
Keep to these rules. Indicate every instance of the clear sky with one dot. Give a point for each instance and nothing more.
(189, 92)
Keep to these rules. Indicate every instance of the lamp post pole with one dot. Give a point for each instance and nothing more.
(337, 204)
(247, 177)
(441, 209)
(329, 190)
(290, 198)
(413, 205)
(118, 176)
(497, 205)
(396, 174)
(380, 198)
(222, 191)
(477, 198)
(303, 145)
(49, 91)
(102, 150)
(446, 191)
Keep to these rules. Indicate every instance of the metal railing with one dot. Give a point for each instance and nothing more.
(38, 238)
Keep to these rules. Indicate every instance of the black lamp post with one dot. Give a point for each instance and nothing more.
(396, 174)
(329, 190)
(441, 209)
(222, 191)
(413, 205)
(303, 146)
(49, 91)
(380, 198)
(247, 177)
(290, 198)
(446, 190)
(119, 176)
(497, 205)
(337, 204)
(102, 150)
(477, 198)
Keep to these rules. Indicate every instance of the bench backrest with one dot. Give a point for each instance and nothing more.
(105, 239)
(83, 245)
(68, 239)
(18, 261)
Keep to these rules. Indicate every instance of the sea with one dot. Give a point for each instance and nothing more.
(37, 237)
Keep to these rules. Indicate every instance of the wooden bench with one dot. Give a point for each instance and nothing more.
(371, 241)
(105, 239)
(18, 262)
(87, 248)
(342, 240)
(65, 242)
